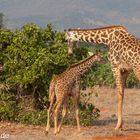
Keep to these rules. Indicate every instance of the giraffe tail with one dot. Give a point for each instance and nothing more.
(49, 103)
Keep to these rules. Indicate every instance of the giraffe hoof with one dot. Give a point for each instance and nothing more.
(46, 133)
(58, 130)
(119, 128)
(55, 132)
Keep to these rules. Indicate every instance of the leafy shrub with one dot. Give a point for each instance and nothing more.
(131, 81)
(8, 106)
(88, 113)
(34, 118)
(31, 56)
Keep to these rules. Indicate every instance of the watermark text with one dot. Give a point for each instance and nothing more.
(4, 136)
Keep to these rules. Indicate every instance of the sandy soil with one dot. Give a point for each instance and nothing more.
(101, 129)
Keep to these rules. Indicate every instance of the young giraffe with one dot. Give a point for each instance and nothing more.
(124, 54)
(65, 85)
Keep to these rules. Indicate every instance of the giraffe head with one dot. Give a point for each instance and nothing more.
(70, 38)
(104, 35)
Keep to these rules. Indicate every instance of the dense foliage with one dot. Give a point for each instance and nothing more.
(31, 56)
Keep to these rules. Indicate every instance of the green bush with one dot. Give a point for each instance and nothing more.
(34, 118)
(31, 56)
(131, 81)
(8, 106)
(88, 113)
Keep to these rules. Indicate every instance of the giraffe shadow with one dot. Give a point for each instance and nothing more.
(132, 129)
(137, 122)
(108, 121)
(104, 122)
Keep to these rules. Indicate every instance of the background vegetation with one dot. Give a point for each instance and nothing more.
(29, 58)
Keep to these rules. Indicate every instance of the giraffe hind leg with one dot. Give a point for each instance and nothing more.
(57, 107)
(76, 98)
(64, 111)
(49, 111)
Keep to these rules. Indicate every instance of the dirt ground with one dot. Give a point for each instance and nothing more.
(101, 129)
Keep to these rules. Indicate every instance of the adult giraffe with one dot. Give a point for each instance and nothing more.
(124, 54)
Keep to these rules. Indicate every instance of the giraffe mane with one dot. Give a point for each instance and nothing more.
(93, 29)
(81, 62)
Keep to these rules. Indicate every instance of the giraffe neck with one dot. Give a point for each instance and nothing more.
(99, 36)
(85, 65)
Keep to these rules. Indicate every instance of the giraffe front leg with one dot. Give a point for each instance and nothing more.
(120, 105)
(120, 78)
